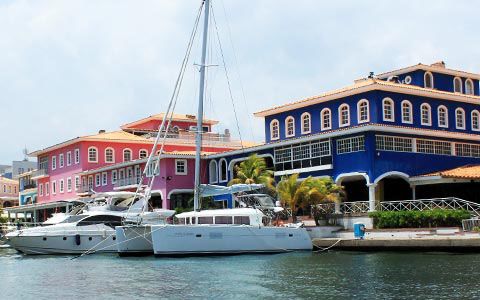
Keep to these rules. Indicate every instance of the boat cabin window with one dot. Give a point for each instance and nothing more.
(74, 218)
(241, 220)
(110, 221)
(223, 220)
(204, 220)
(181, 221)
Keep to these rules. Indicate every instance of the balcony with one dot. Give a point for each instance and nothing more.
(127, 183)
(41, 173)
(84, 189)
(208, 138)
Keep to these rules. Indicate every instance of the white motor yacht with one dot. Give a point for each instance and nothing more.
(91, 230)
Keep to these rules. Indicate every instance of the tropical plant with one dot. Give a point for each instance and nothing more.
(254, 170)
(309, 192)
(417, 219)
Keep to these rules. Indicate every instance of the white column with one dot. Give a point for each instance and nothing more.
(414, 194)
(371, 196)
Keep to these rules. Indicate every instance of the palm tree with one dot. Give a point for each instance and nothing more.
(310, 191)
(254, 170)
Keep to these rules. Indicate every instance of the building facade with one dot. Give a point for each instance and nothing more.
(8, 192)
(377, 137)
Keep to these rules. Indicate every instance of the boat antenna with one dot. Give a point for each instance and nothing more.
(198, 137)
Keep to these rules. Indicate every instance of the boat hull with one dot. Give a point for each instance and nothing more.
(104, 242)
(180, 240)
(134, 240)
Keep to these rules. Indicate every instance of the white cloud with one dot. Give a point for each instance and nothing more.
(69, 68)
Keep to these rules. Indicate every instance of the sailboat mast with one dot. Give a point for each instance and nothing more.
(198, 141)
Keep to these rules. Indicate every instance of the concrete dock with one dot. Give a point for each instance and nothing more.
(449, 244)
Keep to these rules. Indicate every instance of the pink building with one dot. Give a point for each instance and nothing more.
(113, 161)
(8, 192)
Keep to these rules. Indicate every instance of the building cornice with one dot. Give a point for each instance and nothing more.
(429, 68)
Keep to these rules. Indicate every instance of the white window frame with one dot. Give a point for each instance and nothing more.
(322, 118)
(410, 114)
(478, 120)
(392, 112)
(359, 112)
(54, 162)
(61, 160)
(274, 135)
(140, 151)
(40, 189)
(220, 162)
(69, 184)
(306, 114)
(104, 178)
(467, 91)
(96, 154)
(446, 116)
(131, 154)
(113, 155)
(69, 158)
(287, 119)
(77, 156)
(47, 188)
(340, 117)
(90, 178)
(184, 161)
(113, 178)
(77, 182)
(54, 187)
(429, 123)
(460, 85)
(425, 80)
(459, 109)
(61, 186)
(213, 172)
(98, 180)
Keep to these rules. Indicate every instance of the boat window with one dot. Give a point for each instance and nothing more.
(242, 220)
(72, 219)
(110, 221)
(181, 221)
(223, 220)
(205, 220)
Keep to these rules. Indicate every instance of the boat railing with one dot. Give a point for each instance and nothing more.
(471, 224)
(363, 207)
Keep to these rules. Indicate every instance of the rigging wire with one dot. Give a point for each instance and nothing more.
(236, 64)
(167, 115)
(228, 79)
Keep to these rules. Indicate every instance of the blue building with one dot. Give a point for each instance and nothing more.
(385, 137)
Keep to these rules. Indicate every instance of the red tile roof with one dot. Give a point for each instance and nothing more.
(464, 172)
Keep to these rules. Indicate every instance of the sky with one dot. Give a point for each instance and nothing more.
(71, 68)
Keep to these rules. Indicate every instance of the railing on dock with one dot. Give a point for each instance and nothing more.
(362, 207)
(471, 224)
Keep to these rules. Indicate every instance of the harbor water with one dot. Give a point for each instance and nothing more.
(305, 275)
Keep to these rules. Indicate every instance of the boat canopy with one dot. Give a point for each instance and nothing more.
(209, 190)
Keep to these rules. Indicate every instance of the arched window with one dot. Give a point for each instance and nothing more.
(460, 118)
(274, 130)
(475, 120)
(428, 80)
(407, 116)
(109, 155)
(388, 110)
(127, 155)
(92, 154)
(142, 153)
(426, 113)
(442, 113)
(344, 115)
(326, 119)
(213, 172)
(289, 126)
(469, 87)
(306, 123)
(363, 114)
(457, 85)
(222, 168)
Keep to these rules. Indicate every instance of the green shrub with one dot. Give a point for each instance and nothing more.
(417, 219)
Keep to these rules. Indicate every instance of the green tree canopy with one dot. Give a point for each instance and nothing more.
(254, 170)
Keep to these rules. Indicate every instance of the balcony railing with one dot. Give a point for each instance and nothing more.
(127, 182)
(82, 189)
(39, 173)
(189, 136)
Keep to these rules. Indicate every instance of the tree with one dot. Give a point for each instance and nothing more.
(311, 191)
(254, 170)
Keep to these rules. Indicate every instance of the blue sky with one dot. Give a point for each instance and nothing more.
(70, 68)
